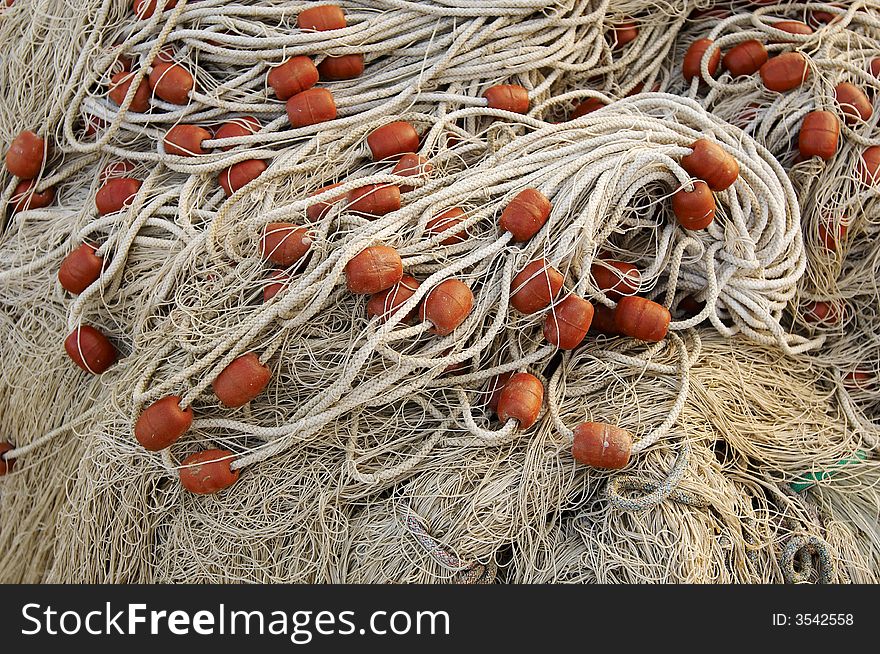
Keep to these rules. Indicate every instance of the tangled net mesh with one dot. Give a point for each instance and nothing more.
(375, 453)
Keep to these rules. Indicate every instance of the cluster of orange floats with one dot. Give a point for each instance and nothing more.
(378, 270)
(820, 129)
(819, 133)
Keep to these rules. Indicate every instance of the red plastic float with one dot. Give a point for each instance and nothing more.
(588, 106)
(322, 19)
(25, 197)
(295, 75)
(6, 465)
(335, 69)
(616, 278)
(116, 169)
(694, 209)
(535, 287)
(446, 306)
(601, 445)
(277, 280)
(496, 385)
(244, 126)
(240, 174)
(25, 155)
(691, 66)
(116, 194)
(869, 165)
(375, 269)
(411, 165)
(853, 102)
(284, 243)
(690, 306)
(448, 220)
(831, 235)
(170, 81)
(393, 139)
(162, 423)
(793, 27)
(624, 34)
(80, 269)
(119, 85)
(521, 399)
(568, 322)
(785, 72)
(311, 107)
(858, 380)
(819, 135)
(385, 304)
(526, 214)
(374, 199)
(319, 209)
(508, 97)
(185, 140)
(709, 162)
(641, 318)
(241, 381)
(819, 18)
(90, 349)
(745, 58)
(827, 313)
(208, 472)
(144, 9)
(603, 320)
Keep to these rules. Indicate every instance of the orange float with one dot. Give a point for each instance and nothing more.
(691, 66)
(745, 58)
(446, 306)
(185, 140)
(25, 155)
(709, 162)
(90, 350)
(208, 472)
(311, 107)
(322, 19)
(240, 174)
(508, 97)
(601, 445)
(694, 209)
(393, 139)
(568, 322)
(521, 399)
(526, 214)
(448, 221)
(535, 287)
(641, 318)
(375, 269)
(80, 269)
(284, 243)
(785, 72)
(295, 75)
(616, 278)
(119, 84)
(162, 423)
(819, 135)
(241, 381)
(374, 199)
(334, 69)
(383, 305)
(25, 196)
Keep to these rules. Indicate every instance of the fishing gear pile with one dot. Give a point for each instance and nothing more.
(385, 291)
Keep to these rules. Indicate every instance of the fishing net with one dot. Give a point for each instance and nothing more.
(341, 334)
